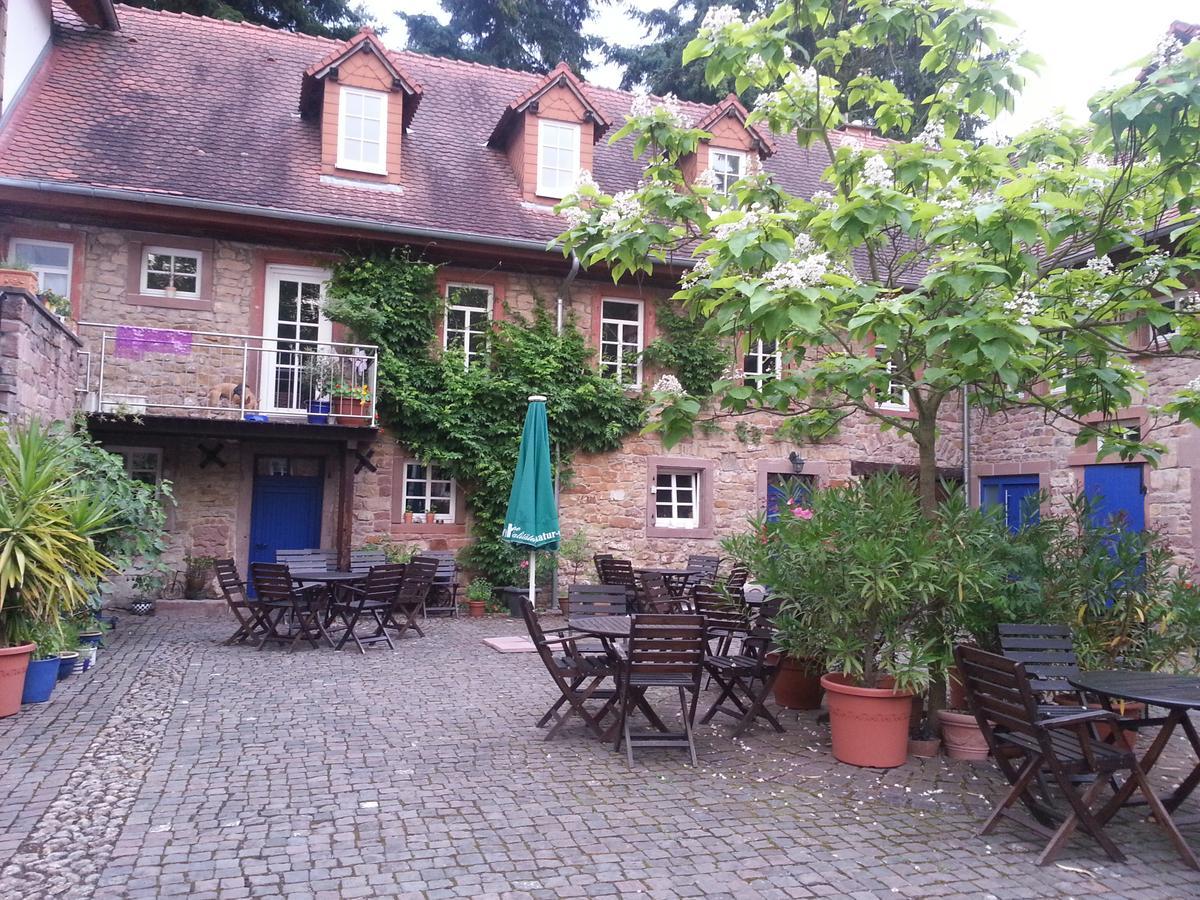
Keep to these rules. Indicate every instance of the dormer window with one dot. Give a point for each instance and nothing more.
(558, 158)
(362, 130)
(728, 166)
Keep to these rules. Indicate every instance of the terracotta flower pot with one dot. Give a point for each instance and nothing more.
(475, 608)
(962, 735)
(869, 725)
(563, 605)
(1130, 709)
(799, 684)
(19, 279)
(926, 749)
(14, 661)
(350, 411)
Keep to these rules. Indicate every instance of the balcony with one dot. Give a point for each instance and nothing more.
(134, 372)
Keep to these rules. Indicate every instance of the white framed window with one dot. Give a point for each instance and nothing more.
(677, 499)
(362, 130)
(621, 341)
(167, 272)
(763, 360)
(142, 464)
(429, 488)
(468, 311)
(1160, 335)
(558, 158)
(49, 260)
(727, 166)
(896, 398)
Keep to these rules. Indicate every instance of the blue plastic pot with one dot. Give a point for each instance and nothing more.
(318, 412)
(40, 678)
(91, 637)
(66, 666)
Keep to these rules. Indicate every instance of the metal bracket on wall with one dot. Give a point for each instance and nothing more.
(364, 460)
(211, 455)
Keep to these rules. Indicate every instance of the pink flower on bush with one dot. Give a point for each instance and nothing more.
(802, 513)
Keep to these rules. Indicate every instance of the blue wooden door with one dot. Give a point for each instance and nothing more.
(1116, 490)
(285, 514)
(1016, 495)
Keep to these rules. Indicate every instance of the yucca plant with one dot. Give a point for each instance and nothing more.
(49, 562)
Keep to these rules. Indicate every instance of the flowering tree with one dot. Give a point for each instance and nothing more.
(1026, 275)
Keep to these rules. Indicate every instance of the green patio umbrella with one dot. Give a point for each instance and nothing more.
(532, 518)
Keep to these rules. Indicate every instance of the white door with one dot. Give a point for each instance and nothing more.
(293, 325)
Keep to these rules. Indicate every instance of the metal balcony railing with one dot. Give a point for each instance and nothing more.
(176, 372)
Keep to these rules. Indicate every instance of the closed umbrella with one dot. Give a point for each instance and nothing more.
(532, 518)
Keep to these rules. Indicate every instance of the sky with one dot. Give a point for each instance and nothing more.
(1082, 43)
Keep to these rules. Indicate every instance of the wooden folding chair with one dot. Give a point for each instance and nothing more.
(248, 611)
(302, 608)
(654, 597)
(578, 678)
(597, 559)
(1004, 704)
(665, 651)
(708, 566)
(307, 560)
(443, 596)
(375, 599)
(363, 561)
(746, 678)
(726, 618)
(597, 600)
(420, 578)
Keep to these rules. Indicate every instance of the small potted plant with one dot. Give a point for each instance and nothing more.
(18, 276)
(430, 517)
(350, 402)
(479, 592)
(408, 513)
(574, 555)
(320, 373)
(42, 672)
(197, 573)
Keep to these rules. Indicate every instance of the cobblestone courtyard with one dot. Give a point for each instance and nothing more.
(184, 768)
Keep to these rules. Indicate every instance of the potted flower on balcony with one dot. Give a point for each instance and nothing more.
(321, 373)
(17, 275)
(351, 402)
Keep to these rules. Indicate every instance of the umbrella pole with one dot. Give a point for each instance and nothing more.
(532, 579)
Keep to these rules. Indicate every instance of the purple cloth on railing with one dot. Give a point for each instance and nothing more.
(132, 342)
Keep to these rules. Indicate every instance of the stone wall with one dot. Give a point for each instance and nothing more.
(39, 361)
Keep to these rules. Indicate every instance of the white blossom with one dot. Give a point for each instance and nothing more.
(701, 270)
(824, 199)
(626, 209)
(575, 215)
(1025, 305)
(645, 105)
(1166, 51)
(718, 18)
(931, 135)
(796, 89)
(802, 269)
(669, 384)
(876, 172)
(1100, 265)
(1097, 161)
(851, 143)
(1193, 385)
(1188, 303)
(706, 179)
(586, 179)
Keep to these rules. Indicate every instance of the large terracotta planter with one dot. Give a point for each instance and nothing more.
(19, 279)
(799, 684)
(13, 663)
(350, 411)
(869, 725)
(962, 736)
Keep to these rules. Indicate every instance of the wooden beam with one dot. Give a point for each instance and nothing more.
(345, 515)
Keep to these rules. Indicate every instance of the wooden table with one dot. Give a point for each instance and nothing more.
(331, 578)
(609, 628)
(1178, 694)
(675, 579)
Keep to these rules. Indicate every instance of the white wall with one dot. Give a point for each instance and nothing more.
(27, 35)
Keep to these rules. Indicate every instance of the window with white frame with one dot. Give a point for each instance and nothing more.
(558, 158)
(896, 396)
(362, 130)
(142, 464)
(169, 272)
(676, 499)
(429, 488)
(762, 360)
(621, 341)
(49, 260)
(468, 309)
(727, 167)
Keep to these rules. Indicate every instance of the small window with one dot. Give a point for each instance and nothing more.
(785, 490)
(676, 499)
(142, 464)
(762, 361)
(896, 397)
(468, 309)
(49, 260)
(621, 341)
(1016, 495)
(728, 166)
(362, 130)
(558, 158)
(170, 273)
(429, 488)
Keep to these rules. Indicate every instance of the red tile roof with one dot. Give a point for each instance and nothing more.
(731, 105)
(365, 40)
(202, 110)
(560, 74)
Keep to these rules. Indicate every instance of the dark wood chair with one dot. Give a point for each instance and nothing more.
(443, 597)
(578, 677)
(302, 609)
(363, 561)
(664, 652)
(1024, 743)
(617, 571)
(1048, 654)
(373, 600)
(598, 600)
(726, 618)
(709, 567)
(735, 582)
(746, 678)
(248, 611)
(598, 558)
(653, 596)
(410, 601)
(310, 560)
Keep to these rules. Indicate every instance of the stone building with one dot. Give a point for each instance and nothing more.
(188, 183)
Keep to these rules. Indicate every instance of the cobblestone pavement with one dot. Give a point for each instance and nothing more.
(184, 768)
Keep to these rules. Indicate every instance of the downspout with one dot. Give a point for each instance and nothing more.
(966, 441)
(563, 289)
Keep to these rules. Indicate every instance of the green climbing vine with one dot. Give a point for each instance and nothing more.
(469, 420)
(687, 350)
